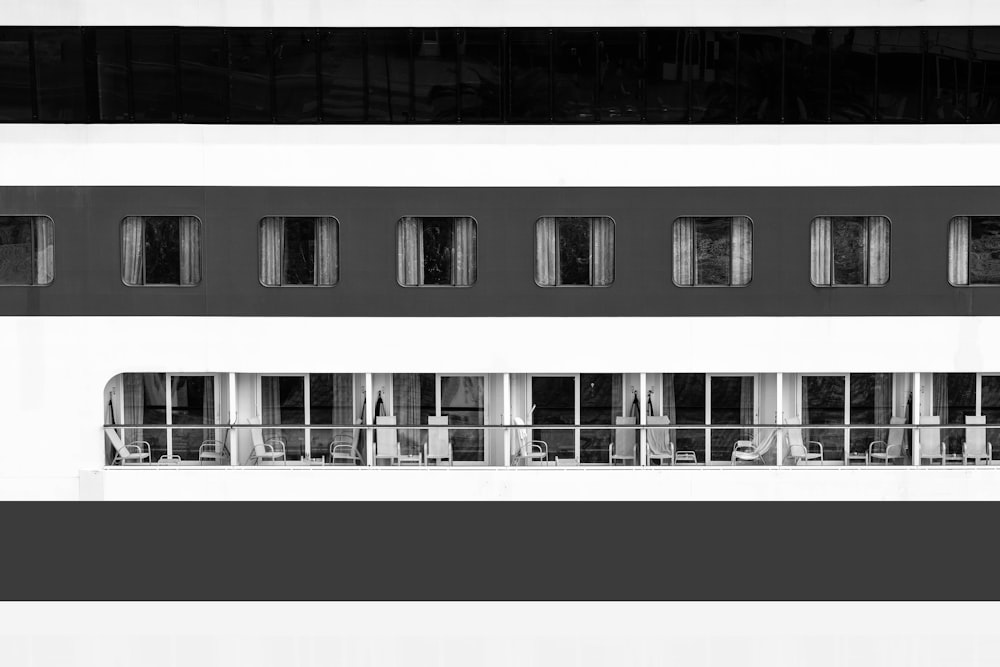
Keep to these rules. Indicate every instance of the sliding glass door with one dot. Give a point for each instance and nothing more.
(463, 399)
(555, 403)
(731, 401)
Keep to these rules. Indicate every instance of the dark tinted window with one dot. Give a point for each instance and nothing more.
(529, 75)
(204, 62)
(481, 64)
(760, 76)
(437, 251)
(599, 404)
(574, 251)
(26, 250)
(946, 76)
(852, 75)
(984, 250)
(689, 408)
(342, 75)
(299, 251)
(620, 75)
(295, 76)
(250, 78)
(154, 82)
(435, 75)
(900, 72)
(574, 76)
(713, 76)
(712, 238)
(807, 75)
(162, 252)
(850, 251)
(984, 95)
(59, 75)
(389, 76)
(15, 75)
(111, 55)
(668, 74)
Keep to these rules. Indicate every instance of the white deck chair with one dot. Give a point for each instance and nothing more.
(134, 452)
(930, 440)
(563, 463)
(976, 448)
(753, 451)
(799, 450)
(212, 451)
(343, 452)
(658, 444)
(272, 449)
(889, 449)
(387, 443)
(439, 440)
(623, 448)
(528, 450)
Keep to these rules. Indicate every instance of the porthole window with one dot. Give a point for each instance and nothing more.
(849, 250)
(299, 251)
(713, 251)
(161, 250)
(574, 251)
(26, 244)
(974, 250)
(436, 251)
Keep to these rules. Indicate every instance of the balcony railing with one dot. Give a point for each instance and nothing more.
(549, 445)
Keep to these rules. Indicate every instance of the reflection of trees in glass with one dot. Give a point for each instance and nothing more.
(712, 251)
(438, 242)
(984, 250)
(299, 251)
(850, 253)
(163, 251)
(760, 75)
(574, 251)
(15, 251)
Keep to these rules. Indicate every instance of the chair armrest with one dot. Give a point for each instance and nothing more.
(883, 446)
(275, 444)
(818, 444)
(749, 447)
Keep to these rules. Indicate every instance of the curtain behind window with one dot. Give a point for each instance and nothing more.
(270, 404)
(545, 252)
(940, 388)
(602, 240)
(669, 403)
(683, 253)
(133, 242)
(878, 249)
(742, 249)
(43, 237)
(958, 251)
(883, 403)
(746, 405)
(190, 246)
(406, 406)
(327, 259)
(271, 249)
(820, 265)
(409, 260)
(465, 251)
(134, 404)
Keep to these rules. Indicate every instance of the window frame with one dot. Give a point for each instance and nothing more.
(260, 248)
(52, 225)
(694, 253)
(121, 251)
(452, 218)
(589, 285)
(867, 259)
(968, 250)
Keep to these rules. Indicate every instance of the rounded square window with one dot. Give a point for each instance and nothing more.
(299, 251)
(849, 250)
(974, 250)
(26, 245)
(161, 250)
(713, 251)
(439, 251)
(577, 250)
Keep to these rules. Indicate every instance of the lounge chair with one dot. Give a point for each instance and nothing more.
(438, 440)
(137, 451)
(753, 451)
(976, 448)
(623, 448)
(658, 444)
(212, 451)
(528, 450)
(930, 440)
(387, 444)
(890, 449)
(343, 451)
(270, 450)
(799, 450)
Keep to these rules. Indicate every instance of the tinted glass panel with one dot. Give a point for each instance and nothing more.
(823, 403)
(807, 75)
(984, 94)
(26, 250)
(342, 72)
(712, 237)
(760, 76)
(204, 61)
(713, 76)
(282, 401)
(688, 408)
(959, 402)
(331, 402)
(162, 251)
(295, 76)
(389, 76)
(668, 75)
(435, 72)
(575, 75)
(984, 251)
(154, 83)
(250, 78)
(871, 403)
(850, 251)
(299, 251)
(153, 388)
(529, 75)
(852, 75)
(112, 73)
(900, 72)
(59, 75)
(946, 75)
(413, 399)
(620, 74)
(732, 403)
(438, 242)
(463, 401)
(597, 406)
(574, 251)
(192, 401)
(15, 75)
(554, 399)
(481, 65)
(990, 401)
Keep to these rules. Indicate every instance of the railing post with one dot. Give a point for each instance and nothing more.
(642, 421)
(918, 407)
(506, 420)
(369, 411)
(779, 418)
(234, 434)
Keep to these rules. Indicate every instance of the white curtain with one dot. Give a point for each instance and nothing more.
(820, 267)
(133, 404)
(669, 403)
(958, 251)
(270, 404)
(133, 242)
(742, 249)
(271, 248)
(327, 257)
(464, 253)
(190, 246)
(683, 252)
(878, 249)
(545, 252)
(602, 240)
(409, 246)
(406, 407)
(43, 233)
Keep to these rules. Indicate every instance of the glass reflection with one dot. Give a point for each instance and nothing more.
(554, 399)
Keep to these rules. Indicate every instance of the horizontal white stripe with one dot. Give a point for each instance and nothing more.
(500, 12)
(505, 156)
